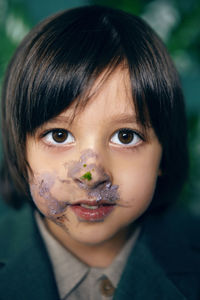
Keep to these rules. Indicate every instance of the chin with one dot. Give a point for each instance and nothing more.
(91, 235)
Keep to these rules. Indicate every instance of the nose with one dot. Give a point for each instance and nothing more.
(89, 171)
(93, 178)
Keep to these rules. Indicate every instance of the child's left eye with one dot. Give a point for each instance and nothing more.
(126, 137)
(58, 136)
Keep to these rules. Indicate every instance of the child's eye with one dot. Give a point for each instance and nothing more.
(126, 137)
(58, 136)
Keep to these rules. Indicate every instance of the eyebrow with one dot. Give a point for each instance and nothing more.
(64, 119)
(125, 118)
(121, 118)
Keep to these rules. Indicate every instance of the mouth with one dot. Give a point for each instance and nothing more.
(92, 211)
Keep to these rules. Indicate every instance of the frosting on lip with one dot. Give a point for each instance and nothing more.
(92, 214)
(93, 203)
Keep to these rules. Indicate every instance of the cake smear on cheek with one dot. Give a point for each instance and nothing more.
(44, 199)
(86, 180)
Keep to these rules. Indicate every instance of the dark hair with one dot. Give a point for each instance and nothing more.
(58, 62)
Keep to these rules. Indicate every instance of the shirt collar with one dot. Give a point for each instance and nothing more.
(68, 268)
(114, 271)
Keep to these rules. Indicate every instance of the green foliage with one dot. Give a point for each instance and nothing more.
(6, 50)
(185, 37)
(130, 6)
(14, 24)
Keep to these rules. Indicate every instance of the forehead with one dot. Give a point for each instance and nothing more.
(108, 96)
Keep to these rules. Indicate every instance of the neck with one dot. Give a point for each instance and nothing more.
(98, 255)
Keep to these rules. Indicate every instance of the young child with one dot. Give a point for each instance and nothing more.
(94, 139)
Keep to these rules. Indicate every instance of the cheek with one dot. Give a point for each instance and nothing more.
(51, 194)
(137, 181)
(42, 188)
(138, 190)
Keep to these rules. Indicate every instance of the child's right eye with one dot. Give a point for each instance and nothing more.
(58, 137)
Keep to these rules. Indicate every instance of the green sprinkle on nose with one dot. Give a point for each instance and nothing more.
(87, 176)
(84, 165)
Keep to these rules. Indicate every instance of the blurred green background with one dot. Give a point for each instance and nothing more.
(176, 22)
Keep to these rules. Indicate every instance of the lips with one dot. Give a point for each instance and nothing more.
(92, 211)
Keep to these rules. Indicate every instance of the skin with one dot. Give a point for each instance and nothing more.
(124, 174)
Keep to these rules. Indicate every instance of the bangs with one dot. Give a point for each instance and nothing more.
(60, 60)
(60, 69)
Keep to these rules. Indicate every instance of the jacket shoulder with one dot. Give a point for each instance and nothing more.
(16, 230)
(173, 239)
(24, 263)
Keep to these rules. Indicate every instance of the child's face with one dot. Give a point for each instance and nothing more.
(96, 175)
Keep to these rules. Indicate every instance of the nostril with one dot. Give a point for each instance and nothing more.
(102, 184)
(79, 182)
(98, 184)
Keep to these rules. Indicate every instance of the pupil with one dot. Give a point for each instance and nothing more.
(125, 137)
(60, 136)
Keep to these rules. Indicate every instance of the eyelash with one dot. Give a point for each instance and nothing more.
(52, 143)
(135, 134)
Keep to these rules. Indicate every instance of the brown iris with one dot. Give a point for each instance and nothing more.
(60, 135)
(126, 136)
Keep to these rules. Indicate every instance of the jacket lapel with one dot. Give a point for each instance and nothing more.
(25, 271)
(165, 262)
(144, 279)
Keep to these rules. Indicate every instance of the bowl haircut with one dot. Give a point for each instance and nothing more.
(58, 63)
